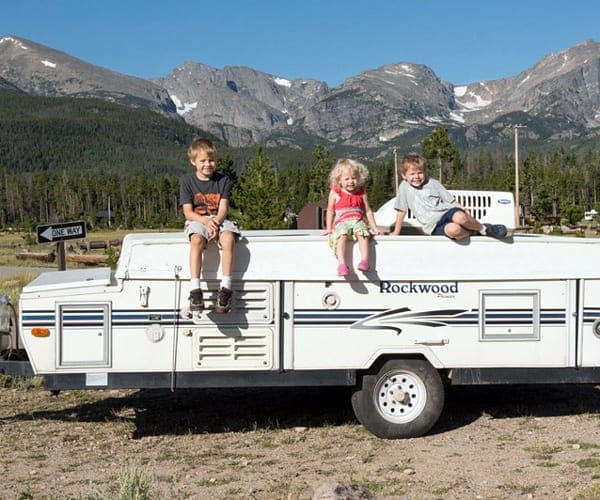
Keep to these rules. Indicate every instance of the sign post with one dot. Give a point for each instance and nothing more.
(59, 233)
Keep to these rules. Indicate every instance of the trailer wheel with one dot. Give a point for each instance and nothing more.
(402, 399)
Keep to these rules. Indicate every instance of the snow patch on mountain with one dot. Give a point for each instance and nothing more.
(460, 91)
(16, 42)
(49, 64)
(282, 81)
(183, 108)
(456, 117)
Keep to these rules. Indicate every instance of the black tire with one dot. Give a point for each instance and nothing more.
(402, 399)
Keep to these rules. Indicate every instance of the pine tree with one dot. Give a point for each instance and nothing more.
(440, 148)
(318, 183)
(258, 196)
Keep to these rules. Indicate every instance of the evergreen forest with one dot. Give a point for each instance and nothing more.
(67, 159)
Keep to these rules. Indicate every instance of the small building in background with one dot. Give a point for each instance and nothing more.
(312, 216)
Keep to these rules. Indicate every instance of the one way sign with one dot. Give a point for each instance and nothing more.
(50, 233)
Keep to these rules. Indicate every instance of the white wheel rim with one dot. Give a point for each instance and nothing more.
(400, 397)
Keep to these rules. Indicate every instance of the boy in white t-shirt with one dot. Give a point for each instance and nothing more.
(434, 207)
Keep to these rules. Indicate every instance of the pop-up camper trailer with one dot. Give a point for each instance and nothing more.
(431, 312)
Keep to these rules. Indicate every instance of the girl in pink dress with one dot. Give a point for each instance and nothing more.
(349, 214)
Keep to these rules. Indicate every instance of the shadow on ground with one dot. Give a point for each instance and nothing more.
(197, 411)
(465, 404)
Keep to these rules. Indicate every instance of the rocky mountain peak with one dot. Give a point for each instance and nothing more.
(397, 103)
(40, 70)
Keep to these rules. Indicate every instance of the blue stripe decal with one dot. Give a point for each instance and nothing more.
(136, 317)
(428, 318)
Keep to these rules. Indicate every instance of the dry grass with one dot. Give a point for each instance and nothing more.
(285, 443)
(15, 242)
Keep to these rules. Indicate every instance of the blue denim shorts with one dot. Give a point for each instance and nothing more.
(438, 230)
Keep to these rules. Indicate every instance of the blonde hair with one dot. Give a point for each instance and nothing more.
(347, 164)
(412, 160)
(200, 144)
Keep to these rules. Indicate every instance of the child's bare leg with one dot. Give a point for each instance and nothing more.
(227, 241)
(363, 246)
(340, 249)
(456, 231)
(223, 302)
(197, 244)
(466, 221)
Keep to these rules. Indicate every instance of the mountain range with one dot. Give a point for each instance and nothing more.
(557, 99)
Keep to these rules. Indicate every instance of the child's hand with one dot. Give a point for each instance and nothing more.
(326, 232)
(213, 229)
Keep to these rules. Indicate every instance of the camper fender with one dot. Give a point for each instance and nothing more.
(416, 351)
(399, 398)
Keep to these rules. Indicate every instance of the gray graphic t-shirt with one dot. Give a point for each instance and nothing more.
(428, 202)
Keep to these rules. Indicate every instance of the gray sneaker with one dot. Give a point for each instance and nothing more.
(196, 300)
(495, 230)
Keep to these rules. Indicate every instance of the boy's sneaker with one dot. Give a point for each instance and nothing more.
(223, 303)
(196, 300)
(495, 230)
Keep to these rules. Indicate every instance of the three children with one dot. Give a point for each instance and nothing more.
(204, 198)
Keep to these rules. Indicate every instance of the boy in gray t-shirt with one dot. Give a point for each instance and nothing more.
(434, 207)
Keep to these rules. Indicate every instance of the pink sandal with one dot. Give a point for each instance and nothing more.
(363, 266)
(343, 270)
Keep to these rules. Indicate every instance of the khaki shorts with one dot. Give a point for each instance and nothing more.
(195, 227)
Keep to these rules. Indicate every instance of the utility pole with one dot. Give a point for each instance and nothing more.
(517, 202)
(395, 171)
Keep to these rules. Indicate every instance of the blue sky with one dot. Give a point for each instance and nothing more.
(463, 41)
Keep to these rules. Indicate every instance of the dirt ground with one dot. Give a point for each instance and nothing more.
(490, 442)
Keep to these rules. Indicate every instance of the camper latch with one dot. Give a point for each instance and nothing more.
(432, 342)
(144, 292)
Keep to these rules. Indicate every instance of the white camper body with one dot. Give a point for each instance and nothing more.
(431, 311)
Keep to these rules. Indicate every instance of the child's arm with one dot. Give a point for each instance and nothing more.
(399, 220)
(222, 212)
(189, 214)
(330, 211)
(370, 217)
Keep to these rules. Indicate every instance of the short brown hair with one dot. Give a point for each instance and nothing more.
(200, 144)
(412, 160)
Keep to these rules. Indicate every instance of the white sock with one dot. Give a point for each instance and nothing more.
(194, 283)
(482, 232)
(226, 282)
